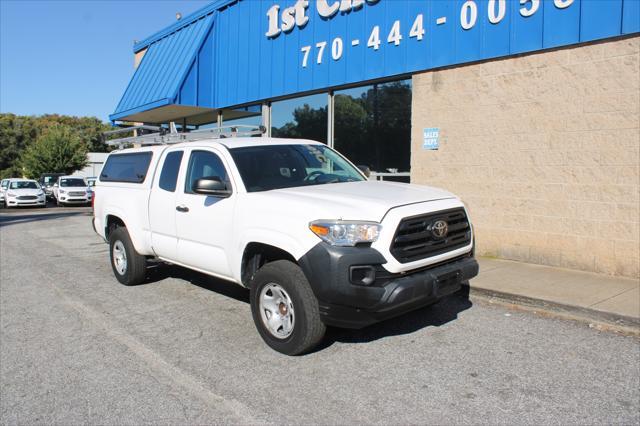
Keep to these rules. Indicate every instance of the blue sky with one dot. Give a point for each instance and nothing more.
(74, 57)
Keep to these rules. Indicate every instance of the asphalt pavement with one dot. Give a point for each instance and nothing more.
(78, 347)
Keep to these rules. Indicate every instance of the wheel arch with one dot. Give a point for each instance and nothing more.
(257, 254)
(139, 239)
(112, 222)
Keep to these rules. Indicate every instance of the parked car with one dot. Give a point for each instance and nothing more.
(315, 242)
(24, 192)
(47, 180)
(72, 190)
(3, 188)
(91, 181)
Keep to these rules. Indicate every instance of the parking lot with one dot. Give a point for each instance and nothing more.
(77, 347)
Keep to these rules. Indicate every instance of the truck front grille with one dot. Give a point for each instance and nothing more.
(415, 238)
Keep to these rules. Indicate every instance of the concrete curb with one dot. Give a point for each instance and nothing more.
(607, 320)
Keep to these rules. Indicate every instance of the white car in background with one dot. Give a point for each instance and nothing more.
(3, 188)
(72, 190)
(24, 192)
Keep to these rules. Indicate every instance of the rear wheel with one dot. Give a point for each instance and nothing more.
(128, 266)
(285, 310)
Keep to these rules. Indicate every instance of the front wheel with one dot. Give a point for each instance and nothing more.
(284, 308)
(128, 266)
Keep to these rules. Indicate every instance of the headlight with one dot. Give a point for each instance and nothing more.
(345, 233)
(62, 191)
(10, 194)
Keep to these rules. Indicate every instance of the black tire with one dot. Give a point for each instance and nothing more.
(308, 330)
(135, 266)
(59, 203)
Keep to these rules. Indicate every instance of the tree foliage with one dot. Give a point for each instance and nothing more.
(309, 123)
(17, 133)
(58, 149)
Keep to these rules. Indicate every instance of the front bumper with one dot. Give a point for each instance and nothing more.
(343, 303)
(12, 202)
(74, 199)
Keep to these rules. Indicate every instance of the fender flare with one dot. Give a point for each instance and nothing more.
(137, 237)
(296, 247)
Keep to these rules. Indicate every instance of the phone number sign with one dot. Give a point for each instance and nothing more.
(275, 48)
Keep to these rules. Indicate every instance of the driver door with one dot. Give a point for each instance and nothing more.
(204, 222)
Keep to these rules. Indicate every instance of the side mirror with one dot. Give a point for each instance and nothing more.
(365, 169)
(55, 185)
(211, 185)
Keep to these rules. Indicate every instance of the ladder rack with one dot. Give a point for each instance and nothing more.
(163, 136)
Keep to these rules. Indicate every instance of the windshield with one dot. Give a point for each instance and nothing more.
(49, 180)
(24, 184)
(286, 166)
(72, 182)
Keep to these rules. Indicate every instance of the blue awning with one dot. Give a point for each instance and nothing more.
(162, 73)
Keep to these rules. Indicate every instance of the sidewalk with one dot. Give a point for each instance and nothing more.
(586, 295)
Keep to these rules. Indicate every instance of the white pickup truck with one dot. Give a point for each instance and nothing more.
(315, 242)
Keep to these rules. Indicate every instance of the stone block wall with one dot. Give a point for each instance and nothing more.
(544, 150)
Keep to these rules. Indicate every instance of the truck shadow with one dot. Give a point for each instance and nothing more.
(207, 282)
(436, 315)
(30, 216)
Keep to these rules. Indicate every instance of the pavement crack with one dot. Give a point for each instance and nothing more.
(609, 298)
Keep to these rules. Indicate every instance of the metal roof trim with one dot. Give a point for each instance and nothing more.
(149, 87)
(212, 7)
(150, 105)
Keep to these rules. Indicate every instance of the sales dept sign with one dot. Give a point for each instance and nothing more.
(285, 20)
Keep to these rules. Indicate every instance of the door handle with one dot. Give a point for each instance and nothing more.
(182, 209)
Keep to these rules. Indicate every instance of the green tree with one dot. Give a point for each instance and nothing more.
(88, 129)
(16, 133)
(58, 150)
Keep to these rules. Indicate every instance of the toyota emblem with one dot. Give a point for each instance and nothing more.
(439, 229)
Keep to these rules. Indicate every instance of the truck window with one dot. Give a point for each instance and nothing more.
(126, 167)
(170, 168)
(267, 167)
(204, 164)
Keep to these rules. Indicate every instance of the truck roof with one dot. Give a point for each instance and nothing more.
(229, 143)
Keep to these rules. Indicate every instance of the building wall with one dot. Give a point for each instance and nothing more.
(544, 150)
(95, 161)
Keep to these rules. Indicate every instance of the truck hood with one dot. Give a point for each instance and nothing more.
(368, 200)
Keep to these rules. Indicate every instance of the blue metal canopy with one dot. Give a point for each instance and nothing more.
(167, 65)
(263, 50)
